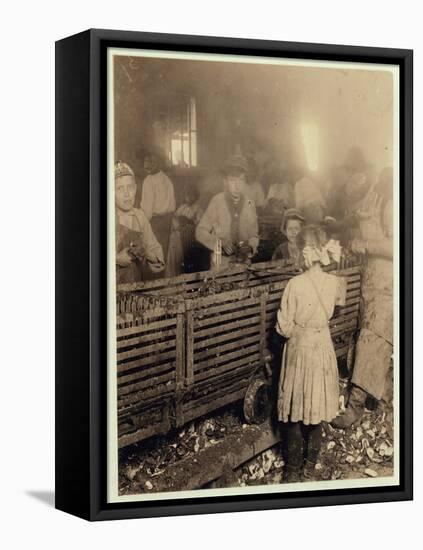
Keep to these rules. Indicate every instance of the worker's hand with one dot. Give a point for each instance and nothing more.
(157, 266)
(359, 246)
(136, 252)
(246, 250)
(153, 258)
(175, 223)
(123, 258)
(227, 248)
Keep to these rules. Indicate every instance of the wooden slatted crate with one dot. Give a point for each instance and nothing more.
(189, 345)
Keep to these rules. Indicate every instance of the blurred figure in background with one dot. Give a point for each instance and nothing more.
(184, 256)
(190, 210)
(253, 189)
(309, 199)
(346, 227)
(158, 200)
(375, 342)
(335, 192)
(280, 195)
(349, 184)
(356, 162)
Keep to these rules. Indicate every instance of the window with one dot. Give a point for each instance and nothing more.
(176, 131)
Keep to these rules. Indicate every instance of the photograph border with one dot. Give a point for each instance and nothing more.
(81, 289)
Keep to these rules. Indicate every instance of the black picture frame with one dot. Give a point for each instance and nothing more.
(81, 253)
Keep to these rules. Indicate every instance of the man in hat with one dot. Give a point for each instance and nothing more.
(158, 200)
(137, 250)
(229, 223)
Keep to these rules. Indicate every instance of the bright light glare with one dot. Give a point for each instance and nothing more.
(310, 139)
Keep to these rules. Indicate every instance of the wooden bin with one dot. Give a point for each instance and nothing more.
(189, 345)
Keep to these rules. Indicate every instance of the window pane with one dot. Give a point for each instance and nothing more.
(185, 150)
(193, 113)
(176, 151)
(193, 148)
(180, 128)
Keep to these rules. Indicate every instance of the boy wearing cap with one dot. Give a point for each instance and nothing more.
(230, 218)
(136, 245)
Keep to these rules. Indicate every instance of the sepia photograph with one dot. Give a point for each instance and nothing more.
(253, 330)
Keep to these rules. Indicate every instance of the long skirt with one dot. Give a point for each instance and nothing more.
(308, 386)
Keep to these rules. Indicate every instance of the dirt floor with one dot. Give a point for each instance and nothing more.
(365, 450)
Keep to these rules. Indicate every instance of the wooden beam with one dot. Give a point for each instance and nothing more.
(208, 464)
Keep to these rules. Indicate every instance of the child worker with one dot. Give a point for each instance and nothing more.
(291, 226)
(308, 385)
(229, 226)
(182, 250)
(138, 252)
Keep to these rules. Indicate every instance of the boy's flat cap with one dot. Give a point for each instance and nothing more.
(123, 169)
(235, 163)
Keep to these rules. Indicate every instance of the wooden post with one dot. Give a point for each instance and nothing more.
(189, 377)
(180, 367)
(263, 300)
(180, 351)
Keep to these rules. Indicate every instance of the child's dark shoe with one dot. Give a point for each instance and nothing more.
(291, 474)
(309, 471)
(354, 410)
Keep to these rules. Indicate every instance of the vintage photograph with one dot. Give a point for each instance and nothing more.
(253, 224)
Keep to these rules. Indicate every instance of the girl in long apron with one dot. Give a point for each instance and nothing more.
(308, 386)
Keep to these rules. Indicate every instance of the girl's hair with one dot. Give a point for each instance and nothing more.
(292, 216)
(315, 234)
